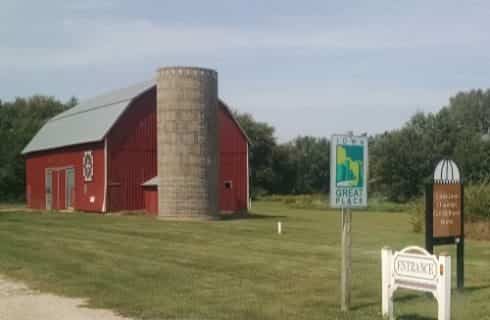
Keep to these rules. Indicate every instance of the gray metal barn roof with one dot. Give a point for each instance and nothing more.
(90, 120)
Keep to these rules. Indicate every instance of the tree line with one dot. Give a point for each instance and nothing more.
(404, 159)
(19, 122)
(401, 160)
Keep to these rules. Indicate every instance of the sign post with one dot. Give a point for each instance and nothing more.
(348, 189)
(346, 259)
(414, 268)
(444, 217)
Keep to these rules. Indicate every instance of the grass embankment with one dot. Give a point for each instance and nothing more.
(234, 269)
(6, 205)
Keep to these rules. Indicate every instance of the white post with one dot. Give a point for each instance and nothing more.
(279, 227)
(386, 290)
(444, 288)
(346, 264)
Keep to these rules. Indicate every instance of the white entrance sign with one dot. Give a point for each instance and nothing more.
(414, 268)
(348, 171)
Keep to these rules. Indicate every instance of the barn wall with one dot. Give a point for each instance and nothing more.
(132, 154)
(233, 164)
(38, 162)
(233, 167)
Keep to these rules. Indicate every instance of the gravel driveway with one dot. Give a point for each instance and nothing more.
(18, 302)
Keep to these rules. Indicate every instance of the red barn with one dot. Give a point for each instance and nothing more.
(100, 156)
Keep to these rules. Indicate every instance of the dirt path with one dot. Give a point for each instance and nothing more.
(18, 302)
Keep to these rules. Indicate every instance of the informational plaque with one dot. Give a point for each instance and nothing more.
(444, 215)
(447, 210)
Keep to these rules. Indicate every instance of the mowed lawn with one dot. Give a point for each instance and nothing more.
(229, 269)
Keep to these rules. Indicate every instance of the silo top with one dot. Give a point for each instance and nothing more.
(188, 71)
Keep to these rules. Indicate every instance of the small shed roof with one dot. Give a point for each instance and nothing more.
(91, 120)
(153, 182)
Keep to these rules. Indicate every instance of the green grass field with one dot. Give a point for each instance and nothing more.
(230, 269)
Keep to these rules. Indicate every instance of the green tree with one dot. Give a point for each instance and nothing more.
(311, 159)
(19, 122)
(403, 159)
(284, 169)
(261, 151)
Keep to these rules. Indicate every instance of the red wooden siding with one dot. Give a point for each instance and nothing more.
(59, 190)
(58, 160)
(151, 199)
(233, 177)
(132, 154)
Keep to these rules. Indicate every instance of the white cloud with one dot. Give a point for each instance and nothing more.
(112, 41)
(329, 97)
(365, 68)
(90, 5)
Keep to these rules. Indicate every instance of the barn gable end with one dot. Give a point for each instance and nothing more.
(233, 186)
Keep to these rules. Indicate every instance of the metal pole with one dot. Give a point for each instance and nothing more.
(460, 248)
(429, 218)
(460, 264)
(346, 259)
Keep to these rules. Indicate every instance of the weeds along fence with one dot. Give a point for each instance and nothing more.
(477, 208)
(477, 200)
(320, 201)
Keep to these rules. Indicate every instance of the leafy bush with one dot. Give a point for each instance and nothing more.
(379, 203)
(321, 201)
(304, 201)
(477, 200)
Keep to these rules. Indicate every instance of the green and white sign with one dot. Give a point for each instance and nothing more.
(348, 171)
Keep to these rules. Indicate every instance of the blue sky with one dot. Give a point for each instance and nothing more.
(307, 67)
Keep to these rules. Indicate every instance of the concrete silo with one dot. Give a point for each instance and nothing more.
(187, 142)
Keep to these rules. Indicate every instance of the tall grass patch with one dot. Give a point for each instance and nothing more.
(477, 200)
(321, 201)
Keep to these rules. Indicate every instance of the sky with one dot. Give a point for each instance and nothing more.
(306, 67)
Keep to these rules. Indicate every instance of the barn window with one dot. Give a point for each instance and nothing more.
(228, 184)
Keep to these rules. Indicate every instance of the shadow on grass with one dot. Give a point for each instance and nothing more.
(247, 216)
(414, 317)
(473, 288)
(397, 299)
